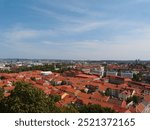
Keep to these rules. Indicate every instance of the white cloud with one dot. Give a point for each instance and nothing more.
(21, 34)
(135, 44)
(132, 45)
(74, 24)
(84, 27)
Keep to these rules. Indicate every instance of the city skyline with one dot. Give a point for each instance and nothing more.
(75, 29)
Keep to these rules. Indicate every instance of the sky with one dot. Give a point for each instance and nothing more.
(75, 29)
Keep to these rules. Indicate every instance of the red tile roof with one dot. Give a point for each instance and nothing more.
(9, 88)
(147, 98)
(6, 94)
(123, 104)
(84, 95)
(140, 108)
(97, 96)
(128, 111)
(87, 76)
(66, 100)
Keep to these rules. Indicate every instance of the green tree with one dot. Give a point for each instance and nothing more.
(94, 108)
(1, 93)
(137, 77)
(63, 82)
(55, 98)
(135, 99)
(2, 77)
(33, 78)
(107, 92)
(27, 99)
(69, 109)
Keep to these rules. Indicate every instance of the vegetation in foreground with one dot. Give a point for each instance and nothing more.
(26, 98)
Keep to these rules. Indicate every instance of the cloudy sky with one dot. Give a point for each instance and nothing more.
(75, 29)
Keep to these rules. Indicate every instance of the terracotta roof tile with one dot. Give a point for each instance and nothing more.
(147, 98)
(140, 108)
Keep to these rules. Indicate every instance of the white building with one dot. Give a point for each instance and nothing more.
(127, 74)
(146, 109)
(46, 73)
(111, 73)
(98, 71)
(102, 71)
(86, 70)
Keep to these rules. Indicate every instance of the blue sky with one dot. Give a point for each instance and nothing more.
(75, 29)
